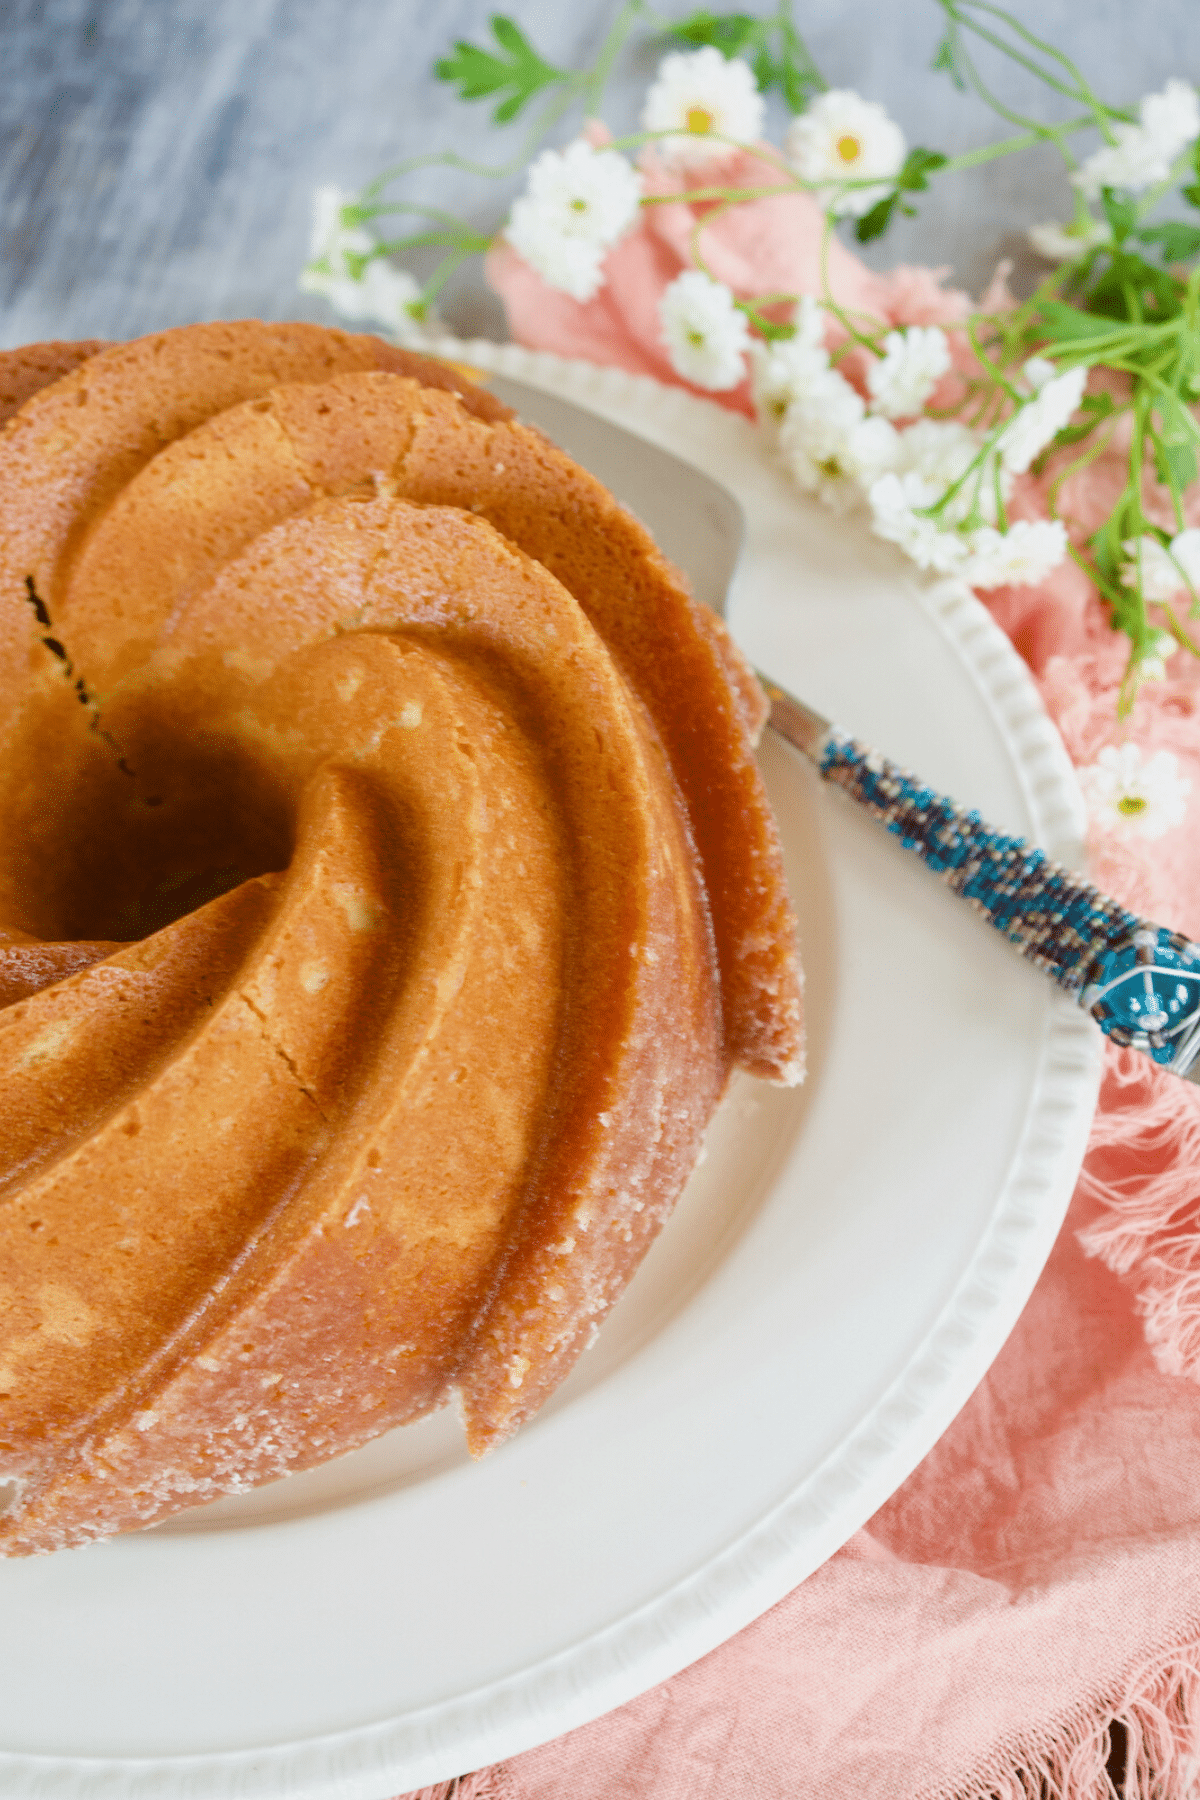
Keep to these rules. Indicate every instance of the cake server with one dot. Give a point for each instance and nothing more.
(1139, 981)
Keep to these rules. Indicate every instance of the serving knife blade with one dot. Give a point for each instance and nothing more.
(1139, 981)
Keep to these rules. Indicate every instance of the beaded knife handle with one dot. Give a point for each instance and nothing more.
(1140, 982)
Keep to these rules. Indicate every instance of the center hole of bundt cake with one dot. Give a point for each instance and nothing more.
(106, 854)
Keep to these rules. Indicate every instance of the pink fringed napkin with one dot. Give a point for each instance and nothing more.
(1023, 1617)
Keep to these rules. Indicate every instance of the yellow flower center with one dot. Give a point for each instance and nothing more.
(849, 148)
(695, 338)
(699, 119)
(578, 205)
(1132, 804)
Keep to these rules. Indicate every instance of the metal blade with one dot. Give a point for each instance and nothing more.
(694, 520)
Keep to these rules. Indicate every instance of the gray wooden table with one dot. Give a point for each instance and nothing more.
(159, 155)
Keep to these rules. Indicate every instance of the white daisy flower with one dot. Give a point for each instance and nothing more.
(1162, 577)
(1172, 118)
(1143, 153)
(701, 94)
(1185, 548)
(706, 336)
(871, 450)
(809, 323)
(781, 373)
(896, 502)
(1033, 425)
(1152, 665)
(913, 363)
(577, 203)
(831, 447)
(841, 138)
(1019, 557)
(382, 293)
(1037, 371)
(788, 368)
(1063, 243)
(939, 452)
(1128, 794)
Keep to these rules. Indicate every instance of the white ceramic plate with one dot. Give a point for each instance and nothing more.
(837, 1279)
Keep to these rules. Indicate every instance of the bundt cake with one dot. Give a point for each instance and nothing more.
(386, 890)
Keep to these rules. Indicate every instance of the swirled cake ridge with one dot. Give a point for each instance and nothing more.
(387, 888)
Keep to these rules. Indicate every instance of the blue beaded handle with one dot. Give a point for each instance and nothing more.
(1140, 982)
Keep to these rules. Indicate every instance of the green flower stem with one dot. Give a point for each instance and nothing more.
(1078, 463)
(1033, 126)
(614, 43)
(844, 318)
(1130, 510)
(972, 159)
(469, 243)
(1080, 91)
(772, 300)
(977, 467)
(1095, 575)
(722, 197)
(1090, 312)
(694, 250)
(363, 215)
(1153, 196)
(994, 369)
(637, 140)
(1177, 628)
(437, 281)
(559, 102)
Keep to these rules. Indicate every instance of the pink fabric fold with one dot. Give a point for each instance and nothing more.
(1036, 1579)
(1022, 1618)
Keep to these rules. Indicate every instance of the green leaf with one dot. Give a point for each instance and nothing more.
(1179, 241)
(1109, 550)
(766, 70)
(1098, 408)
(797, 74)
(1174, 444)
(1134, 290)
(874, 223)
(730, 33)
(945, 60)
(1175, 464)
(1121, 214)
(790, 68)
(520, 73)
(1063, 324)
(913, 177)
(918, 165)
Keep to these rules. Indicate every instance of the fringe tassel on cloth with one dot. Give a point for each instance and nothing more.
(1142, 1171)
(484, 1784)
(1147, 1748)
(1142, 1177)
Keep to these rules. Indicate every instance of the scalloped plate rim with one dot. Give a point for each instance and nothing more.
(795, 1535)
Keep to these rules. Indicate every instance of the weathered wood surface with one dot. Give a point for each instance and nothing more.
(159, 155)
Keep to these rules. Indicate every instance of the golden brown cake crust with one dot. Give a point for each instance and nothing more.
(281, 619)
(26, 371)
